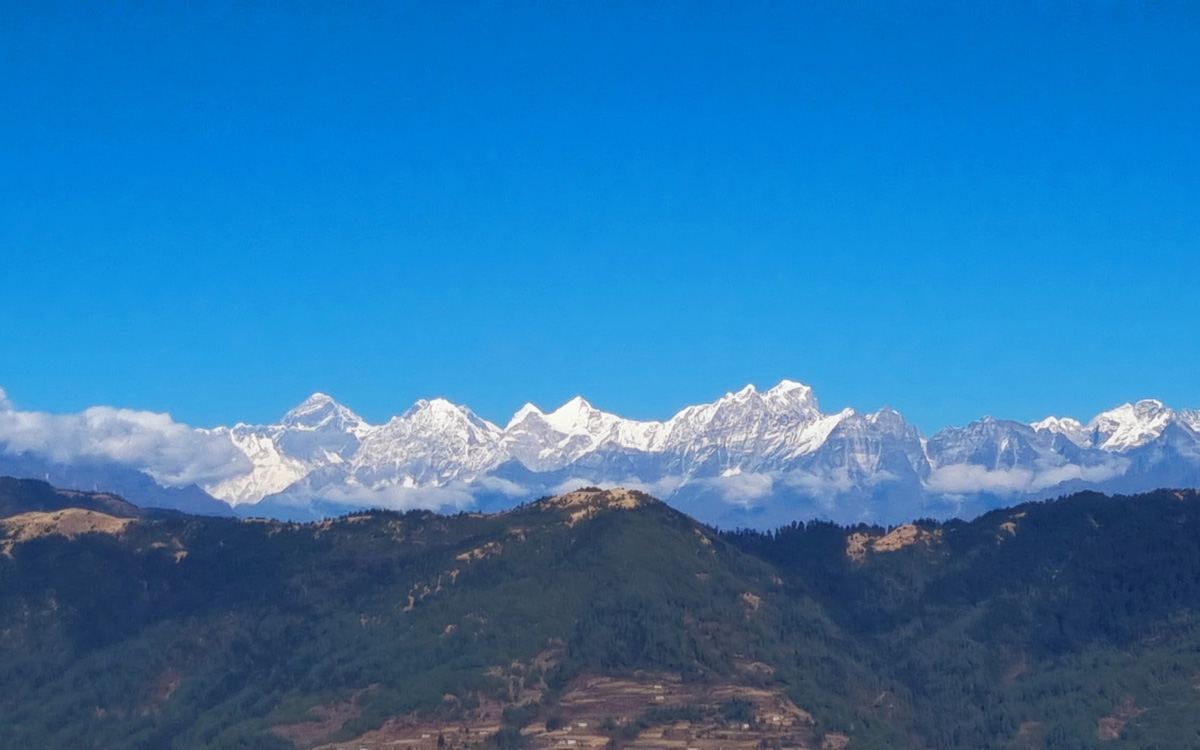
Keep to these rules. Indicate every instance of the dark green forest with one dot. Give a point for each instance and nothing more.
(1020, 629)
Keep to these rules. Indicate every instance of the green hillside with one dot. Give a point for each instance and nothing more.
(1053, 625)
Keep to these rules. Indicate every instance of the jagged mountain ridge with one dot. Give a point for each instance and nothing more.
(749, 458)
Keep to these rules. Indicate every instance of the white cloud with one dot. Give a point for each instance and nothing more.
(503, 486)
(820, 486)
(743, 489)
(452, 497)
(746, 490)
(174, 454)
(965, 479)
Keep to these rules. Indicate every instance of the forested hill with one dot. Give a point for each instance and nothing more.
(1069, 624)
(29, 495)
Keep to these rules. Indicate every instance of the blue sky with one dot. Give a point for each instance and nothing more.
(216, 210)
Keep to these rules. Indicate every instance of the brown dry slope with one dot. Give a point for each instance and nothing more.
(69, 523)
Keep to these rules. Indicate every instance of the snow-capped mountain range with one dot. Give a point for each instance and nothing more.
(751, 458)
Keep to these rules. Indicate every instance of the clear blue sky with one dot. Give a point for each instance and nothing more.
(953, 208)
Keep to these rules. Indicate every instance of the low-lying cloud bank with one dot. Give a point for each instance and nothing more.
(451, 497)
(172, 453)
(966, 479)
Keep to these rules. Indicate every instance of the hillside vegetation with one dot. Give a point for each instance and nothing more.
(1069, 624)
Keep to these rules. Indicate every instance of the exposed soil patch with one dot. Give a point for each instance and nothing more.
(480, 553)
(164, 687)
(835, 741)
(1008, 529)
(1110, 727)
(1015, 670)
(175, 546)
(859, 543)
(1029, 736)
(752, 601)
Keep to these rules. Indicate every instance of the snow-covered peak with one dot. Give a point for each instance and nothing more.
(522, 414)
(432, 443)
(1149, 408)
(579, 419)
(1071, 429)
(1117, 430)
(995, 444)
(321, 412)
(792, 398)
(887, 418)
(432, 406)
(790, 385)
(550, 441)
(577, 416)
(437, 413)
(1129, 425)
(747, 393)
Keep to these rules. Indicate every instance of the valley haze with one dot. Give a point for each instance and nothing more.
(751, 458)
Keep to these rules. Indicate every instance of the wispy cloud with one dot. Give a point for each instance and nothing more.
(452, 497)
(174, 454)
(965, 479)
(501, 486)
(825, 485)
(743, 489)
(749, 489)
